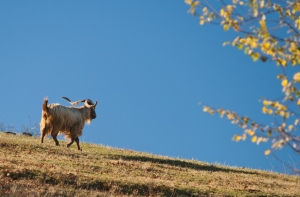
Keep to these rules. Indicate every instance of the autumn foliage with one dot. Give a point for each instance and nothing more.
(266, 30)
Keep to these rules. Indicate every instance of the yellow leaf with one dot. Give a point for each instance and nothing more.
(254, 138)
(226, 27)
(281, 62)
(242, 40)
(253, 43)
(296, 122)
(255, 12)
(229, 8)
(262, 3)
(267, 103)
(280, 76)
(255, 56)
(286, 115)
(189, 2)
(236, 25)
(240, 46)
(281, 107)
(297, 77)
(237, 138)
(281, 113)
(296, 8)
(226, 43)
(230, 116)
(270, 111)
(264, 110)
(275, 104)
(267, 152)
(290, 127)
(284, 82)
(192, 10)
(265, 46)
(244, 137)
(298, 102)
(260, 139)
(222, 12)
(221, 112)
(250, 132)
(263, 24)
(196, 3)
(293, 47)
(202, 22)
(284, 63)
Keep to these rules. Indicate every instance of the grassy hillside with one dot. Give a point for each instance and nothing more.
(28, 168)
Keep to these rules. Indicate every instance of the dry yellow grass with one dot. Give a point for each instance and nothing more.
(28, 168)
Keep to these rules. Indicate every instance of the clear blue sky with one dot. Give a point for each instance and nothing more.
(148, 63)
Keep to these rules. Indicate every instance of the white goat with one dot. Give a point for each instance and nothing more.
(57, 119)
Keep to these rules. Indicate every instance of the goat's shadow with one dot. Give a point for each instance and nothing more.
(180, 163)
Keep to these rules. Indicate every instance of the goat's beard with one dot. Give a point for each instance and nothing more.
(88, 121)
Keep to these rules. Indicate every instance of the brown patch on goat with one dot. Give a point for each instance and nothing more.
(44, 106)
(45, 111)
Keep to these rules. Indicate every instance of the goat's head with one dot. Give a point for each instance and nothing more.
(88, 104)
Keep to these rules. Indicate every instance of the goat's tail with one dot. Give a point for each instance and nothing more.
(44, 106)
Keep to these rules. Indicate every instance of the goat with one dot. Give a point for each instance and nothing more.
(57, 119)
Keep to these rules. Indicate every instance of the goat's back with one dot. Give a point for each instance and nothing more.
(65, 114)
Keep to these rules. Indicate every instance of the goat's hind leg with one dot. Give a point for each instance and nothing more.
(44, 131)
(42, 137)
(70, 143)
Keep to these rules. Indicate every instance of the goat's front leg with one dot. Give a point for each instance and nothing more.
(77, 142)
(55, 139)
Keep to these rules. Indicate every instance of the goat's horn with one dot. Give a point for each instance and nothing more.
(66, 98)
(88, 105)
(73, 103)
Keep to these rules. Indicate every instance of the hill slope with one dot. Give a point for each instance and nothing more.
(28, 168)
